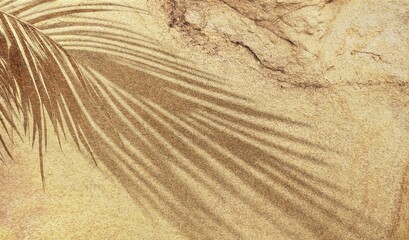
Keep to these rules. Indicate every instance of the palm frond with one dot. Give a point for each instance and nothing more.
(39, 80)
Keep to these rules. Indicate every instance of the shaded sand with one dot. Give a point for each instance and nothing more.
(225, 141)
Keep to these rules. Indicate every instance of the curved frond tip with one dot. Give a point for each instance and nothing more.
(40, 81)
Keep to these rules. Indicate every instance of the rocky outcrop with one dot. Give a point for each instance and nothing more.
(316, 43)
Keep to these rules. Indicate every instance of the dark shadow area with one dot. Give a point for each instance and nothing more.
(189, 139)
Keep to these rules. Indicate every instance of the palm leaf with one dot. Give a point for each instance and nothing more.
(30, 60)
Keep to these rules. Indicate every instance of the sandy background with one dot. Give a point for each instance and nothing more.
(282, 120)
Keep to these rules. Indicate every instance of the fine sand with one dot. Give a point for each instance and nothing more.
(219, 124)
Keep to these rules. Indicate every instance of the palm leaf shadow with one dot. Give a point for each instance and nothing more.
(174, 130)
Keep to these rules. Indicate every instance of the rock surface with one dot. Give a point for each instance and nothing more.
(305, 43)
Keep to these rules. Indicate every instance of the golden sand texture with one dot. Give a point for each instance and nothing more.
(215, 119)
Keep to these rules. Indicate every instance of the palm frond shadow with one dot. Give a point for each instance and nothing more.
(183, 145)
(209, 137)
(185, 136)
